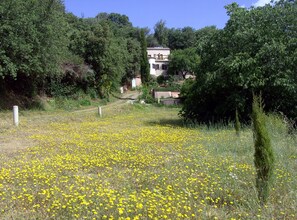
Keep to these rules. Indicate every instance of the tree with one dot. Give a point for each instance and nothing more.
(181, 38)
(161, 33)
(110, 46)
(253, 53)
(144, 64)
(115, 18)
(152, 41)
(263, 157)
(33, 43)
(237, 123)
(183, 62)
(133, 60)
(202, 37)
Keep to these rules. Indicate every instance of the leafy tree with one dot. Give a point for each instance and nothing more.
(133, 59)
(144, 64)
(253, 53)
(161, 33)
(118, 19)
(183, 62)
(33, 43)
(181, 38)
(152, 41)
(110, 45)
(202, 37)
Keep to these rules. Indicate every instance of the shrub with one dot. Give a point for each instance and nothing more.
(237, 123)
(263, 157)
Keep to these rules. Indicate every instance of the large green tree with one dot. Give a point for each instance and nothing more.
(181, 38)
(33, 43)
(183, 62)
(255, 52)
(110, 46)
(161, 33)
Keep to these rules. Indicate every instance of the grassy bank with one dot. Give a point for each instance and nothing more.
(137, 163)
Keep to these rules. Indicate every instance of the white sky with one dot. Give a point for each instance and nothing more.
(261, 3)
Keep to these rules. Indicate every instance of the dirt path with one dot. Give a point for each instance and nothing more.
(14, 139)
(126, 97)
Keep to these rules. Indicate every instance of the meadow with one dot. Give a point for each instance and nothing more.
(137, 162)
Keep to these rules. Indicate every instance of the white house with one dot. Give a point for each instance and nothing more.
(158, 60)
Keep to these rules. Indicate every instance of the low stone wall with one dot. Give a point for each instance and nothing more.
(171, 101)
(165, 94)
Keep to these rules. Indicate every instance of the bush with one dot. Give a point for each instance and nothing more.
(237, 123)
(161, 79)
(146, 95)
(264, 156)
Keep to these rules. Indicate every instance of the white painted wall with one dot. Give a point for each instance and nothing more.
(155, 51)
(152, 61)
(158, 56)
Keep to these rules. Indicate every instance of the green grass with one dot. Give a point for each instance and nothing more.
(137, 162)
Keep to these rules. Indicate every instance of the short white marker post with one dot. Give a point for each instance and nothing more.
(15, 115)
(100, 111)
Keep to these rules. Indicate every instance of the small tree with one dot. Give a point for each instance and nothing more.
(237, 123)
(263, 157)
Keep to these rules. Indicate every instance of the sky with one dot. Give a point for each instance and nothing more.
(176, 13)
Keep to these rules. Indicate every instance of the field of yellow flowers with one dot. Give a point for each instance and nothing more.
(137, 163)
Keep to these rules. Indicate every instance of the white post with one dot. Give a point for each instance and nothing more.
(15, 115)
(100, 111)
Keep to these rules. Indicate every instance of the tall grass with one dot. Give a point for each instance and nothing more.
(140, 163)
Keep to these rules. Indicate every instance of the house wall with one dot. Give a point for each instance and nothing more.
(175, 94)
(158, 60)
(152, 61)
(159, 95)
(166, 94)
(136, 82)
(158, 53)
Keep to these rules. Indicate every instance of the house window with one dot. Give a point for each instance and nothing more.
(156, 66)
(164, 67)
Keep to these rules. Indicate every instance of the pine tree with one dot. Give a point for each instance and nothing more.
(263, 157)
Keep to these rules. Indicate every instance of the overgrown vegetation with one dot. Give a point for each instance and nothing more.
(255, 52)
(138, 162)
(47, 52)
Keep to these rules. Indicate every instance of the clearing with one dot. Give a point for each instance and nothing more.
(136, 162)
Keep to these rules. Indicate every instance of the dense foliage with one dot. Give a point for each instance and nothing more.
(33, 43)
(46, 51)
(183, 62)
(255, 52)
(144, 64)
